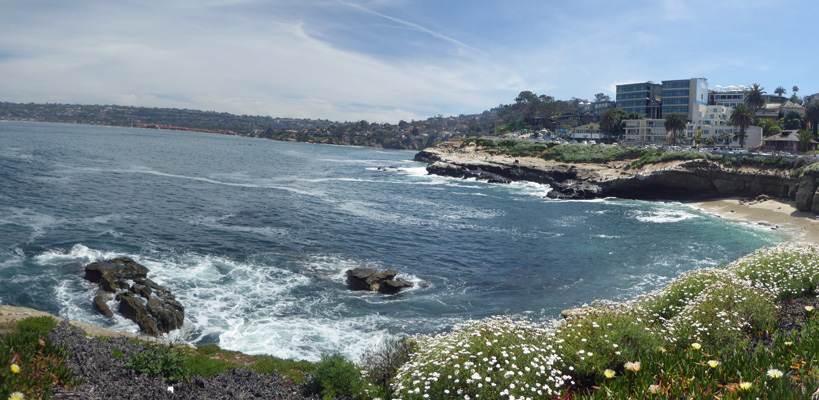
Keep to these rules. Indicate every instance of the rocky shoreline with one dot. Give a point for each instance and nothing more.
(676, 180)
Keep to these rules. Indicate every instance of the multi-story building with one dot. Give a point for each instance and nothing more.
(728, 96)
(684, 96)
(592, 112)
(641, 98)
(710, 121)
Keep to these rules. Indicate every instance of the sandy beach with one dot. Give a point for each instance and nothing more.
(779, 214)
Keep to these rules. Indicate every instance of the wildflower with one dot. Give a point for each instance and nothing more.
(170, 389)
(17, 396)
(745, 385)
(808, 308)
(788, 343)
(41, 342)
(15, 369)
(608, 373)
(654, 389)
(713, 363)
(633, 366)
(774, 373)
(696, 346)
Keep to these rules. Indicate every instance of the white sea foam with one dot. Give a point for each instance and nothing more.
(661, 216)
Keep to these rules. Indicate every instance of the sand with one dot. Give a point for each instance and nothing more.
(779, 214)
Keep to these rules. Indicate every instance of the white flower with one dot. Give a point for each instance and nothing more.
(774, 373)
(170, 389)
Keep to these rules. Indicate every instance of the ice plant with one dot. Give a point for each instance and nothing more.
(696, 346)
(15, 369)
(774, 373)
(654, 389)
(713, 363)
(808, 308)
(633, 366)
(17, 396)
(608, 373)
(745, 385)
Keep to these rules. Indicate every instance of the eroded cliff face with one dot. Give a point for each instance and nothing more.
(677, 180)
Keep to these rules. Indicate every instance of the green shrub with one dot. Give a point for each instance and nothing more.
(39, 326)
(336, 376)
(117, 353)
(162, 361)
(590, 153)
(208, 349)
(381, 365)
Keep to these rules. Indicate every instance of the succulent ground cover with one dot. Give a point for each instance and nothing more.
(747, 330)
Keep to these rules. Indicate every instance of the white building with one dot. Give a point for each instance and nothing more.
(711, 121)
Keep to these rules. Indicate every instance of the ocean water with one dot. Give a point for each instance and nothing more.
(254, 236)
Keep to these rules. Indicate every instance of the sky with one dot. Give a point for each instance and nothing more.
(390, 60)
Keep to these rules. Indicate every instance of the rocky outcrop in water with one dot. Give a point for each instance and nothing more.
(371, 280)
(153, 307)
(674, 180)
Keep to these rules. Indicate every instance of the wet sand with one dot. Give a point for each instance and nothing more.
(779, 214)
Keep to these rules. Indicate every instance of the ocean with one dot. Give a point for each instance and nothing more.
(254, 236)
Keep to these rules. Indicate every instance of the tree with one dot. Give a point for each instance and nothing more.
(674, 123)
(812, 116)
(780, 90)
(792, 120)
(742, 117)
(773, 131)
(755, 97)
(795, 99)
(601, 97)
(795, 89)
(725, 137)
(805, 136)
(611, 122)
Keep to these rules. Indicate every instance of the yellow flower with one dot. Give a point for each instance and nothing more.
(808, 308)
(17, 396)
(788, 343)
(15, 369)
(608, 373)
(713, 363)
(774, 373)
(696, 346)
(745, 385)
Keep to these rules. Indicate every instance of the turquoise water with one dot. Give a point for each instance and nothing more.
(254, 236)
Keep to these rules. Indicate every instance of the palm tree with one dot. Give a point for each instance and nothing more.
(812, 115)
(795, 89)
(780, 91)
(674, 123)
(755, 97)
(611, 122)
(742, 116)
(725, 137)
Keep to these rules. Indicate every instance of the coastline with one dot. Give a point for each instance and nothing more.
(779, 214)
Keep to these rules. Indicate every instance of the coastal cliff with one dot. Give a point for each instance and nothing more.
(698, 179)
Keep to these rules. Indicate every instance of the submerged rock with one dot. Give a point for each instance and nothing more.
(141, 300)
(370, 279)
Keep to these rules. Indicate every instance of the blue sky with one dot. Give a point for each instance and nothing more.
(387, 60)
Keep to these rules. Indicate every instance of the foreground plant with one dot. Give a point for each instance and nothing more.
(700, 337)
(32, 365)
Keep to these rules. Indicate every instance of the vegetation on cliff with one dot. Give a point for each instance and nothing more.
(639, 156)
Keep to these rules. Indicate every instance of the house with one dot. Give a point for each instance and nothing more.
(786, 141)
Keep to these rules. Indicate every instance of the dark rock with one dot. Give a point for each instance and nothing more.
(133, 308)
(370, 279)
(394, 286)
(123, 268)
(101, 300)
(357, 279)
(805, 193)
(168, 314)
(141, 300)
